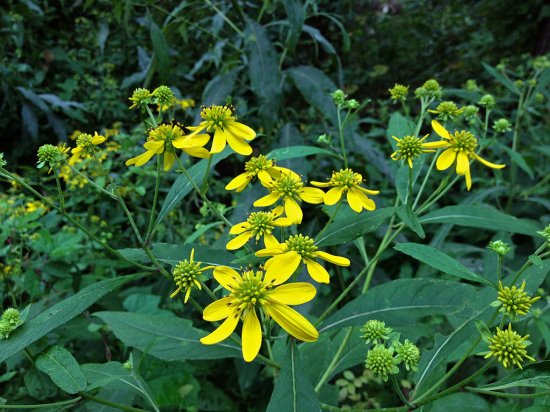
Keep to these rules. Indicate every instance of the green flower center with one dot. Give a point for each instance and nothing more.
(251, 292)
(380, 361)
(261, 223)
(217, 117)
(186, 273)
(448, 108)
(464, 141)
(515, 301)
(85, 141)
(346, 178)
(303, 245)
(166, 133)
(289, 186)
(257, 164)
(409, 147)
(508, 347)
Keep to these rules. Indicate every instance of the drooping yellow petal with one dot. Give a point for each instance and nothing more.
(489, 164)
(337, 260)
(333, 195)
(97, 139)
(154, 145)
(291, 321)
(270, 241)
(217, 310)
(267, 200)
(368, 204)
(312, 195)
(468, 178)
(227, 277)
(462, 163)
(293, 293)
(239, 241)
(200, 152)
(440, 130)
(237, 181)
(219, 142)
(251, 335)
(141, 159)
(223, 331)
(169, 159)
(175, 293)
(446, 159)
(282, 267)
(293, 210)
(354, 199)
(317, 271)
(238, 145)
(242, 131)
(277, 250)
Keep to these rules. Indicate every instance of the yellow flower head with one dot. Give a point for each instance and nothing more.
(460, 147)
(508, 347)
(515, 301)
(221, 121)
(257, 225)
(251, 292)
(409, 148)
(34, 206)
(298, 249)
(346, 180)
(86, 145)
(165, 139)
(260, 167)
(289, 187)
(187, 275)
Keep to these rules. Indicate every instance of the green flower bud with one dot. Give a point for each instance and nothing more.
(470, 112)
(51, 155)
(499, 247)
(502, 126)
(509, 347)
(338, 96)
(164, 96)
(539, 97)
(324, 139)
(545, 233)
(11, 316)
(399, 92)
(5, 329)
(541, 63)
(381, 362)
(375, 331)
(488, 102)
(2, 161)
(447, 111)
(351, 104)
(140, 98)
(408, 353)
(471, 85)
(430, 89)
(515, 301)
(519, 83)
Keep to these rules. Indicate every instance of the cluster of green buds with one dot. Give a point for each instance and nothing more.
(499, 247)
(11, 320)
(387, 352)
(2, 161)
(471, 85)
(430, 89)
(514, 301)
(502, 125)
(341, 100)
(399, 92)
(162, 96)
(545, 233)
(470, 113)
(51, 156)
(487, 101)
(447, 111)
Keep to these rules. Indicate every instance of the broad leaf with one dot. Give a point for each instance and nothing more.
(293, 152)
(482, 217)
(406, 214)
(535, 375)
(62, 368)
(440, 261)
(165, 337)
(59, 314)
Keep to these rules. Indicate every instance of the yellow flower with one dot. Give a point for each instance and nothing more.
(250, 292)
(86, 145)
(31, 207)
(509, 347)
(259, 166)
(346, 180)
(165, 139)
(289, 187)
(461, 148)
(409, 148)
(221, 121)
(187, 275)
(295, 250)
(257, 225)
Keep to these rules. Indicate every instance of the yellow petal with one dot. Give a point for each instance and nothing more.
(317, 271)
(333, 195)
(239, 241)
(435, 145)
(153, 145)
(97, 139)
(242, 179)
(440, 130)
(200, 152)
(293, 210)
(196, 129)
(354, 199)
(270, 241)
(217, 310)
(264, 177)
(282, 267)
(227, 277)
(74, 158)
(468, 178)
(169, 159)
(462, 163)
(369, 204)
(293, 293)
(251, 336)
(282, 222)
(219, 142)
(239, 228)
(312, 195)
(445, 159)
(237, 144)
(291, 321)
(223, 331)
(242, 131)
(320, 184)
(278, 250)
(141, 159)
(337, 260)
(489, 164)
(267, 200)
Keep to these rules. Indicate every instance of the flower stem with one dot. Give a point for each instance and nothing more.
(334, 361)
(397, 389)
(330, 220)
(59, 191)
(43, 405)
(110, 403)
(507, 395)
(341, 135)
(155, 200)
(428, 173)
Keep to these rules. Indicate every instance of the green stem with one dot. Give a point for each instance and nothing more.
(331, 408)
(204, 186)
(94, 184)
(486, 123)
(528, 263)
(330, 220)
(410, 196)
(397, 389)
(224, 16)
(515, 143)
(42, 405)
(334, 361)
(419, 194)
(110, 403)
(499, 268)
(439, 195)
(59, 191)
(341, 135)
(155, 200)
(507, 395)
(208, 291)
(151, 116)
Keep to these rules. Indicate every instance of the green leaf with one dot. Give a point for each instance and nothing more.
(534, 375)
(483, 331)
(293, 152)
(518, 159)
(59, 314)
(182, 186)
(406, 214)
(440, 261)
(401, 302)
(349, 225)
(316, 87)
(160, 47)
(461, 401)
(295, 17)
(481, 217)
(501, 78)
(63, 369)
(165, 337)
(293, 391)
(398, 126)
(220, 88)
